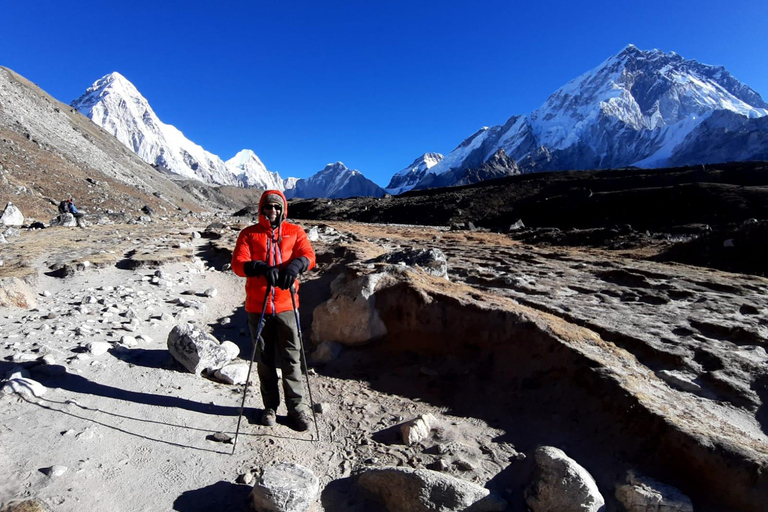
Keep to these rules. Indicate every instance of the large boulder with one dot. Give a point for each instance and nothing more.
(15, 292)
(11, 216)
(350, 316)
(285, 488)
(561, 485)
(421, 490)
(643, 494)
(196, 350)
(66, 220)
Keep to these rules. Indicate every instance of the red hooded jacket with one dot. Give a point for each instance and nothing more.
(275, 246)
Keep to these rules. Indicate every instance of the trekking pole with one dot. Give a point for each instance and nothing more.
(304, 359)
(250, 365)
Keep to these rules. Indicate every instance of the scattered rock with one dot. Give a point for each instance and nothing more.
(431, 261)
(210, 292)
(232, 349)
(643, 494)
(421, 490)
(285, 487)
(17, 383)
(97, 348)
(220, 437)
(560, 484)
(55, 471)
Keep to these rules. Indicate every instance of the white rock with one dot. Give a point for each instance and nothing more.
(211, 292)
(23, 386)
(418, 429)
(196, 350)
(232, 349)
(55, 471)
(233, 373)
(285, 488)
(11, 216)
(98, 348)
(128, 341)
(559, 483)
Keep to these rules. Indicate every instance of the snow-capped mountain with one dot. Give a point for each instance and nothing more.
(113, 103)
(638, 108)
(411, 175)
(251, 172)
(335, 181)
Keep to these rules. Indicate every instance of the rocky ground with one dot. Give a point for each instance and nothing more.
(622, 363)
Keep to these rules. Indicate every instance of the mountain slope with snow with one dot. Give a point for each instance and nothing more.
(407, 178)
(251, 172)
(638, 108)
(114, 104)
(335, 181)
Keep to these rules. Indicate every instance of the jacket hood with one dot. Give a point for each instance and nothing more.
(264, 221)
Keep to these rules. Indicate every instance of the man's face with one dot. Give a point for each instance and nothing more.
(271, 211)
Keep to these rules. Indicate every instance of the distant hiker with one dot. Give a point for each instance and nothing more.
(271, 254)
(68, 206)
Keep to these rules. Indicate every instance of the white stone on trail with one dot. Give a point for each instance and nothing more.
(231, 348)
(143, 338)
(418, 429)
(196, 350)
(285, 487)
(18, 383)
(129, 341)
(55, 471)
(233, 373)
(98, 348)
(559, 483)
(211, 292)
(405, 489)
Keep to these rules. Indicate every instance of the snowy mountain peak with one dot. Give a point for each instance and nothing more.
(407, 178)
(335, 180)
(636, 108)
(251, 172)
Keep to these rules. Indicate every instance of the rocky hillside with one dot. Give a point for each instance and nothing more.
(48, 151)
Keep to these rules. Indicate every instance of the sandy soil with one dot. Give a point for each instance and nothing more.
(129, 430)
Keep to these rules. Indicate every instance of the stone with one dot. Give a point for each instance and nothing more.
(210, 292)
(643, 494)
(680, 380)
(97, 348)
(196, 350)
(233, 373)
(405, 489)
(517, 226)
(128, 341)
(17, 383)
(34, 505)
(285, 487)
(350, 316)
(55, 471)
(16, 293)
(418, 429)
(232, 349)
(326, 352)
(560, 484)
(66, 220)
(11, 216)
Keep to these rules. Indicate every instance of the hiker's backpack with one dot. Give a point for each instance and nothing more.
(63, 207)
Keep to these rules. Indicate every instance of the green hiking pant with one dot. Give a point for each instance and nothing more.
(279, 344)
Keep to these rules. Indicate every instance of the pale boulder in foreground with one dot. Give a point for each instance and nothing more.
(285, 488)
(421, 490)
(561, 485)
(196, 350)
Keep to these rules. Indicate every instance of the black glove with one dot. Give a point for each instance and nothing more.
(289, 274)
(255, 268)
(273, 276)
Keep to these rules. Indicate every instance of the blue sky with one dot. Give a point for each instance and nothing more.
(373, 84)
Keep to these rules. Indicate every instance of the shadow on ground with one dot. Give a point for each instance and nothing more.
(219, 496)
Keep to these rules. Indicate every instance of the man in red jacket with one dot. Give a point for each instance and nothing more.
(271, 254)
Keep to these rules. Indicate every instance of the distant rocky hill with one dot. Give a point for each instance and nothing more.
(335, 181)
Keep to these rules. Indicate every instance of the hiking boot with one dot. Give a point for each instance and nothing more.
(269, 418)
(301, 420)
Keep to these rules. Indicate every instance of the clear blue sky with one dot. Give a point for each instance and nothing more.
(373, 84)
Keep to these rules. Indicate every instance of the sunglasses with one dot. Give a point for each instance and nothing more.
(272, 207)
